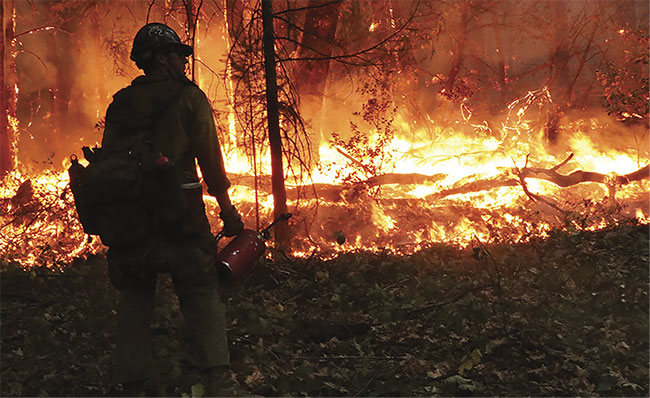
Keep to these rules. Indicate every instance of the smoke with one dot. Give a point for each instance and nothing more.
(67, 75)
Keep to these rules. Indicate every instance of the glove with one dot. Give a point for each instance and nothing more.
(232, 223)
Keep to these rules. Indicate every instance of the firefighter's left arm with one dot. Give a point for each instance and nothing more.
(205, 144)
(207, 150)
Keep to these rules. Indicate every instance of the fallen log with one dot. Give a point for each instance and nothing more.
(582, 176)
(332, 191)
(574, 178)
(577, 177)
(403, 179)
(510, 178)
(502, 180)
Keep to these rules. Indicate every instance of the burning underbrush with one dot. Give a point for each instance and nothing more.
(38, 224)
(398, 193)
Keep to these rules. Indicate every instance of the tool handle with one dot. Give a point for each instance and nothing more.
(283, 217)
(266, 231)
(219, 236)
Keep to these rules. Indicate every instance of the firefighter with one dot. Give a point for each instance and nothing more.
(185, 134)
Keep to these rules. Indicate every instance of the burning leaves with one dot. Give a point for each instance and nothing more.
(625, 85)
(38, 223)
(369, 154)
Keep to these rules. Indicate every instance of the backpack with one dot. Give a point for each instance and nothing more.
(127, 194)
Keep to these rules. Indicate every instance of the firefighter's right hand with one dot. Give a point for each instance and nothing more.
(232, 223)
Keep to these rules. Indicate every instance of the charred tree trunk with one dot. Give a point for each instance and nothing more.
(559, 61)
(502, 69)
(459, 51)
(317, 40)
(311, 75)
(7, 93)
(4, 134)
(558, 52)
(234, 18)
(275, 141)
(192, 30)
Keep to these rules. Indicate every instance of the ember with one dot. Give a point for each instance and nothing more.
(412, 157)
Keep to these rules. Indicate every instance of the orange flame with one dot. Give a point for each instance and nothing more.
(449, 198)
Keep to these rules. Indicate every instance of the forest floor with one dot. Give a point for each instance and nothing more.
(563, 316)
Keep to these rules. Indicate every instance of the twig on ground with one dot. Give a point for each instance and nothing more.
(496, 266)
(415, 311)
(365, 386)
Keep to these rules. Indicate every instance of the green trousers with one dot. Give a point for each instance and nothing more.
(195, 282)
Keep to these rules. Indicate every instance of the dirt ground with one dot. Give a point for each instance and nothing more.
(567, 315)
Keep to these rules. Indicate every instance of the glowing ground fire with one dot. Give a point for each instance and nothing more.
(460, 189)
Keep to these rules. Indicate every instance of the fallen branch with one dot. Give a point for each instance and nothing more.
(502, 180)
(582, 176)
(577, 177)
(353, 160)
(535, 197)
(333, 192)
(394, 178)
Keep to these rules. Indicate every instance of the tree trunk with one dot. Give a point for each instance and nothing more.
(317, 41)
(570, 95)
(281, 231)
(560, 51)
(4, 136)
(234, 18)
(501, 63)
(311, 75)
(559, 60)
(461, 38)
(192, 31)
(7, 92)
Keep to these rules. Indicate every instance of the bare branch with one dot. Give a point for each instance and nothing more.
(305, 8)
(151, 3)
(34, 54)
(565, 161)
(36, 30)
(356, 54)
(291, 24)
(325, 57)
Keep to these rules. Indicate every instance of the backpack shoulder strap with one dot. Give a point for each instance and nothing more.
(161, 105)
(149, 122)
(126, 122)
